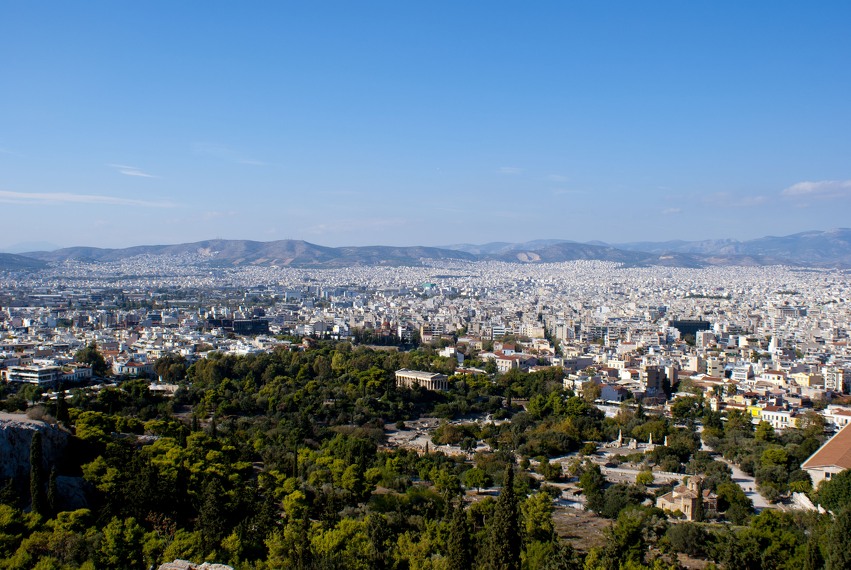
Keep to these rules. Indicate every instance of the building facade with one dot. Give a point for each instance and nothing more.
(428, 380)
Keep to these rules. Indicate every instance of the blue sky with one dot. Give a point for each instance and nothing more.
(427, 123)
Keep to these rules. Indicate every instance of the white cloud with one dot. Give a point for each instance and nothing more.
(513, 170)
(671, 211)
(131, 171)
(49, 198)
(828, 189)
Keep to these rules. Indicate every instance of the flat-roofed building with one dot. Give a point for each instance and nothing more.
(40, 375)
(779, 418)
(428, 380)
(837, 416)
(505, 362)
(837, 378)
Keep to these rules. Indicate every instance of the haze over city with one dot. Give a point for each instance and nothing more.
(421, 123)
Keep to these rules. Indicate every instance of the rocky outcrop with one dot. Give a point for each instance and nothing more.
(186, 565)
(16, 433)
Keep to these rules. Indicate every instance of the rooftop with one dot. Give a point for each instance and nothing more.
(835, 452)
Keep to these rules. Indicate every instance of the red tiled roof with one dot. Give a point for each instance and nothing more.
(835, 452)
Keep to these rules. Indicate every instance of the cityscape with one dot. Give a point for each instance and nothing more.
(766, 345)
(414, 285)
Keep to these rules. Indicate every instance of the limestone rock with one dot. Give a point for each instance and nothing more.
(16, 432)
(186, 565)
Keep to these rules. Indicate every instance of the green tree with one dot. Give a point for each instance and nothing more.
(687, 407)
(626, 540)
(459, 551)
(346, 545)
(645, 478)
(446, 483)
(591, 481)
(733, 502)
(688, 538)
(838, 553)
(698, 508)
(813, 559)
(62, 414)
(91, 355)
(476, 478)
(37, 475)
(121, 545)
(764, 432)
(537, 513)
(378, 532)
(774, 456)
(171, 367)
(211, 516)
(549, 471)
(52, 493)
(503, 552)
(739, 420)
(835, 494)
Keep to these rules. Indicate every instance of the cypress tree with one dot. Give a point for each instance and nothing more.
(698, 508)
(52, 493)
(211, 516)
(36, 475)
(379, 533)
(8, 494)
(838, 554)
(62, 407)
(813, 559)
(504, 529)
(458, 545)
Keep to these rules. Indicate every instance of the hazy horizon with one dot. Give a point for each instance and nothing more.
(29, 247)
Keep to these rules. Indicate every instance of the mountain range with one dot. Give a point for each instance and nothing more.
(830, 248)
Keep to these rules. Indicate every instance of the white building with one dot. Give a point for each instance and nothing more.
(428, 380)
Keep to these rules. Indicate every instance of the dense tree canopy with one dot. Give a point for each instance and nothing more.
(279, 460)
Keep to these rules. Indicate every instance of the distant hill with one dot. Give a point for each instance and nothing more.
(295, 253)
(12, 262)
(831, 248)
(570, 251)
(503, 247)
(807, 249)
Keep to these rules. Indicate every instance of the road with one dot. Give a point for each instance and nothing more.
(742, 479)
(748, 485)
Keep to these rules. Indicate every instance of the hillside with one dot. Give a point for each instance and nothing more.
(806, 249)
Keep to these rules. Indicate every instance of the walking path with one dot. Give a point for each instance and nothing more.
(742, 479)
(748, 485)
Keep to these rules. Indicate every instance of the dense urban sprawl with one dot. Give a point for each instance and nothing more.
(705, 393)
